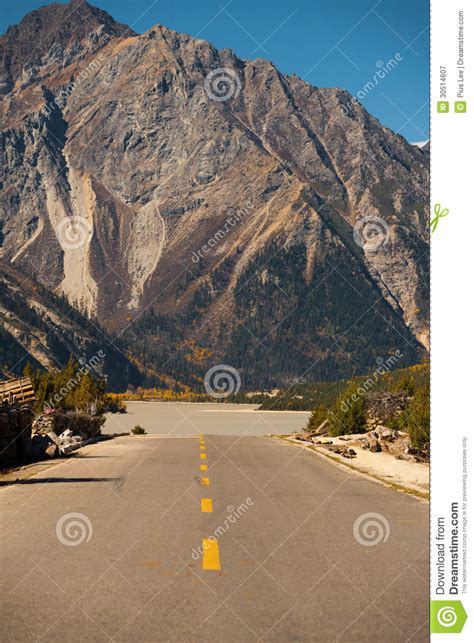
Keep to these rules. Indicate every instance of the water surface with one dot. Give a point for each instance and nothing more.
(184, 418)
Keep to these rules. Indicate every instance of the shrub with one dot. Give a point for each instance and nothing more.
(73, 388)
(415, 419)
(317, 417)
(114, 404)
(138, 430)
(348, 414)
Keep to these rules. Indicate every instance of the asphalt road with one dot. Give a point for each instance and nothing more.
(284, 560)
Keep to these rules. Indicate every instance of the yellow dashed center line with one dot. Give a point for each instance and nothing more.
(210, 557)
(206, 505)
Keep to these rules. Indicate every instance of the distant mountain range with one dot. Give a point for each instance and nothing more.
(208, 209)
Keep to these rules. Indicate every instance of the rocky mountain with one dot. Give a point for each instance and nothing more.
(206, 208)
(41, 328)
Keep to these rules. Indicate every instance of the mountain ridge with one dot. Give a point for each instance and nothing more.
(154, 161)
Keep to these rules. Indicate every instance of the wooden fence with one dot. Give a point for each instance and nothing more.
(17, 391)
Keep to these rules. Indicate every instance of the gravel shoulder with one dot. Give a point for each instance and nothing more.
(410, 477)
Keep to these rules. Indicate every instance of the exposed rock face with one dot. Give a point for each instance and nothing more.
(140, 149)
(53, 38)
(39, 327)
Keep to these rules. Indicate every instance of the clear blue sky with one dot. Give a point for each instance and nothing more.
(330, 43)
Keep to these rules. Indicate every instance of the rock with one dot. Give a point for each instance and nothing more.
(53, 437)
(69, 448)
(384, 445)
(302, 436)
(65, 436)
(51, 451)
(380, 407)
(65, 425)
(373, 442)
(404, 456)
(342, 450)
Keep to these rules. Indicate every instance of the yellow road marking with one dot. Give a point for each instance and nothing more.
(206, 505)
(210, 558)
(202, 447)
(205, 481)
(203, 456)
(203, 467)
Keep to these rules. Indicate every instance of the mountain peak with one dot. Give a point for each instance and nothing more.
(175, 155)
(63, 33)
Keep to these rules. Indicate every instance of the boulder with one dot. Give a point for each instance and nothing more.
(51, 450)
(66, 449)
(374, 445)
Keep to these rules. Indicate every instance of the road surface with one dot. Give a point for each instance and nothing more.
(136, 540)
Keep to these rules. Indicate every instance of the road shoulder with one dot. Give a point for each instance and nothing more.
(372, 471)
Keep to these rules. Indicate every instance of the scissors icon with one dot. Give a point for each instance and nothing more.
(438, 215)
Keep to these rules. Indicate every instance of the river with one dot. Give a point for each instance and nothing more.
(185, 418)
